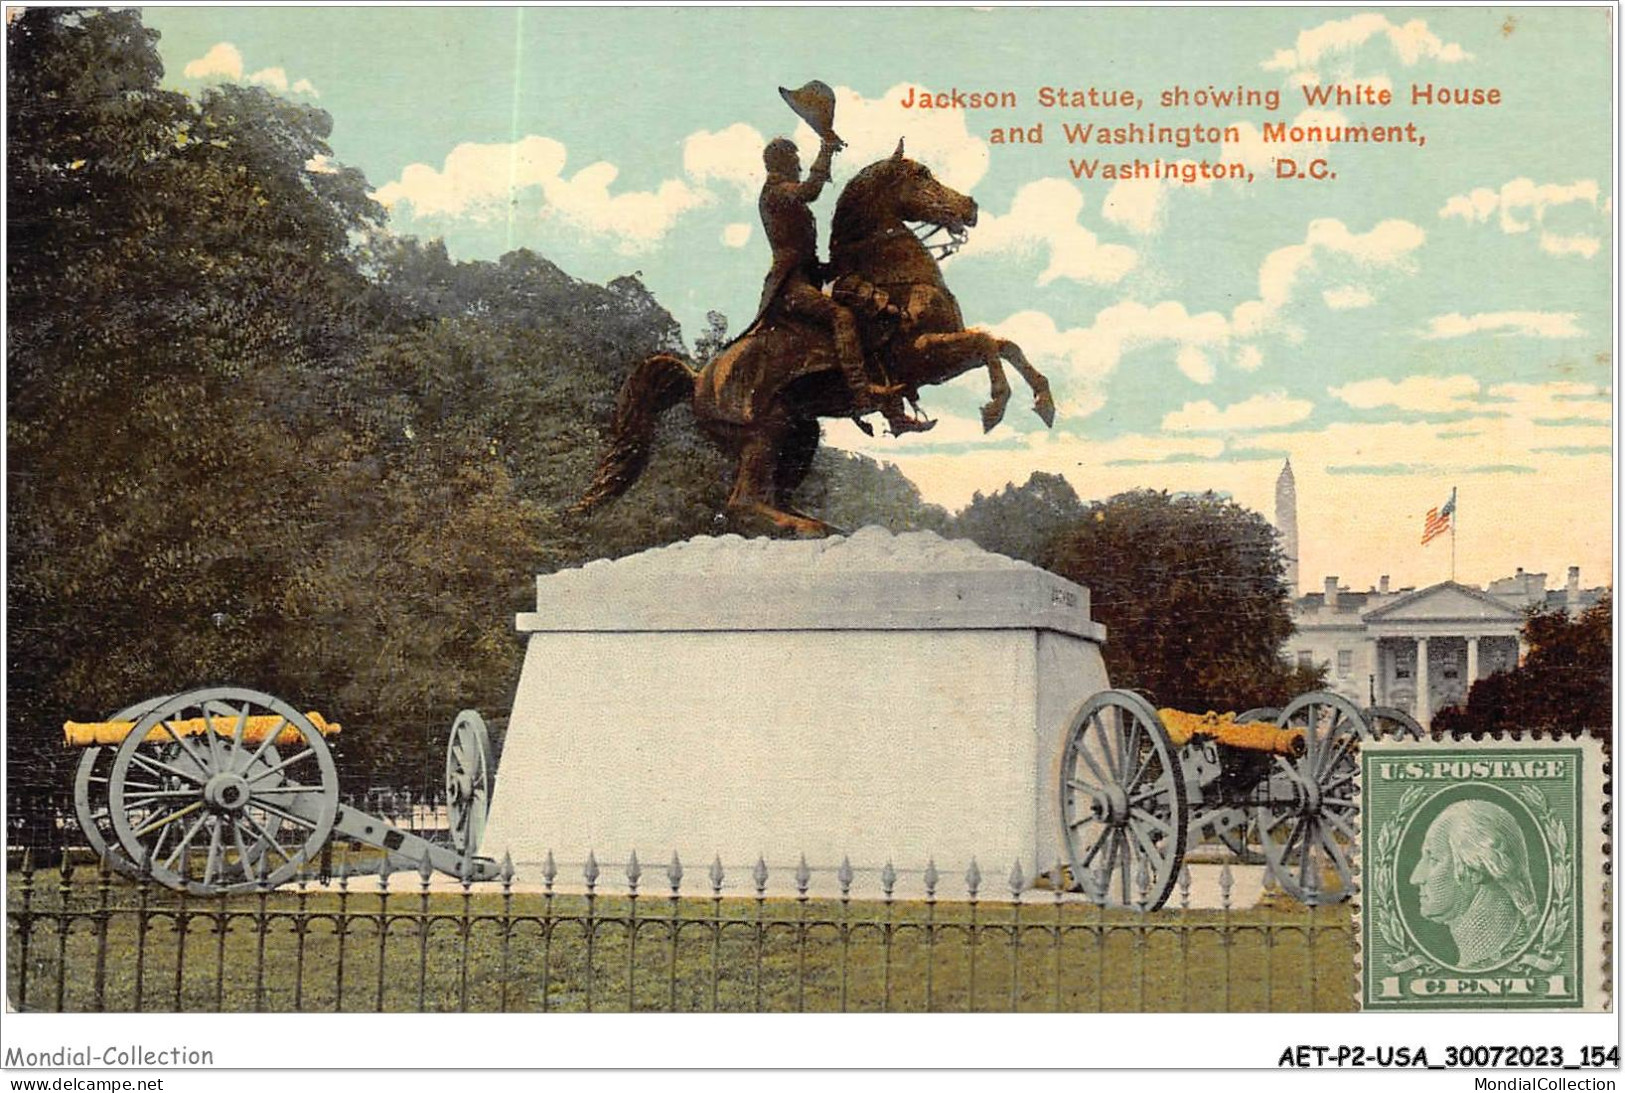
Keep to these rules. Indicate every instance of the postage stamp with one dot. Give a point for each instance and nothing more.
(1483, 875)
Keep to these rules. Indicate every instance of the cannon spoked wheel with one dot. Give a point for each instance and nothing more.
(196, 799)
(468, 781)
(1123, 814)
(1307, 826)
(1234, 826)
(91, 807)
(1393, 723)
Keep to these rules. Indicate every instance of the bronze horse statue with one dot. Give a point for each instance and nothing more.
(761, 397)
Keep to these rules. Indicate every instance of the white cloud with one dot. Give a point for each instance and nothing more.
(1586, 246)
(274, 78)
(1422, 394)
(637, 218)
(1044, 216)
(1522, 202)
(1138, 203)
(222, 59)
(1387, 245)
(1348, 297)
(478, 181)
(1078, 359)
(225, 61)
(732, 156)
(735, 235)
(1268, 411)
(1249, 359)
(1528, 324)
(1412, 42)
(1194, 364)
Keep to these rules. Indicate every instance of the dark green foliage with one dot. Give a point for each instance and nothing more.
(1021, 521)
(1565, 683)
(851, 491)
(1192, 592)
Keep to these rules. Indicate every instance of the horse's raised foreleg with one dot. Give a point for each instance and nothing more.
(968, 348)
(1043, 401)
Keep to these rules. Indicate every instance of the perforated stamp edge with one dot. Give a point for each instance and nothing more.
(1594, 839)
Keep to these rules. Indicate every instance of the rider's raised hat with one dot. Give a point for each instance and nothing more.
(814, 103)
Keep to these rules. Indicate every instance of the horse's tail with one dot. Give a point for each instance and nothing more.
(655, 386)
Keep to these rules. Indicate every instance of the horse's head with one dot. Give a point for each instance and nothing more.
(899, 188)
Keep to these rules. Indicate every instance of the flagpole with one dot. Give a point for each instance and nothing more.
(1455, 518)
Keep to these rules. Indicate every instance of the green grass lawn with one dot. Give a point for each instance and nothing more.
(327, 951)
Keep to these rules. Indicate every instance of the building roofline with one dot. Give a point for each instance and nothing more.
(1481, 596)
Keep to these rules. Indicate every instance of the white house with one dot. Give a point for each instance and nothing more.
(1421, 649)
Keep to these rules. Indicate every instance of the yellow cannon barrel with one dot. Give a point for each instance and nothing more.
(89, 734)
(1246, 736)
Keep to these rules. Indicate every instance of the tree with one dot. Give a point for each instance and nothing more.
(1021, 521)
(1193, 595)
(1564, 683)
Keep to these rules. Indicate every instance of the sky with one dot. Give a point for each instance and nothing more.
(1436, 317)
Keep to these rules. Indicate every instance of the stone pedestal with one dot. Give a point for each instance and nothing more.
(877, 698)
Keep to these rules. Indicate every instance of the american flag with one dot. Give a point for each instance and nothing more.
(1437, 521)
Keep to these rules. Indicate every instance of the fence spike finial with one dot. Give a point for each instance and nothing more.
(844, 875)
(425, 868)
(888, 879)
(633, 870)
(674, 873)
(549, 869)
(590, 870)
(759, 874)
(803, 875)
(1227, 881)
(1184, 885)
(1017, 880)
(507, 867)
(717, 874)
(931, 878)
(973, 878)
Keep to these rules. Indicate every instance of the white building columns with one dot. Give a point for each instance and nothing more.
(1472, 661)
(1424, 701)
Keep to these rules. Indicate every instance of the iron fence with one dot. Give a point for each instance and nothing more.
(95, 939)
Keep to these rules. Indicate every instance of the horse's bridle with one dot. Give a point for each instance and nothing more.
(922, 231)
(947, 248)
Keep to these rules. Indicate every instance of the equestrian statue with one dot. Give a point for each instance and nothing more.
(887, 327)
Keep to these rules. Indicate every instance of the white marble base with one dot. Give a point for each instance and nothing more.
(877, 699)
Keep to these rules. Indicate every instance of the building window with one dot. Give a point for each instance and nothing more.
(1345, 661)
(1306, 659)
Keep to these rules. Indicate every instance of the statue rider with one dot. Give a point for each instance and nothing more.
(796, 276)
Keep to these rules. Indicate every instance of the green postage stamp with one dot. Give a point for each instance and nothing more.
(1483, 875)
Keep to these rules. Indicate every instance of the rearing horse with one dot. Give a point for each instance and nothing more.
(761, 397)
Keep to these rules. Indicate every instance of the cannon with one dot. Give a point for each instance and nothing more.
(1138, 786)
(226, 789)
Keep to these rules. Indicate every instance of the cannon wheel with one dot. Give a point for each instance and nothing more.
(468, 781)
(1306, 826)
(1390, 721)
(216, 796)
(91, 807)
(1123, 813)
